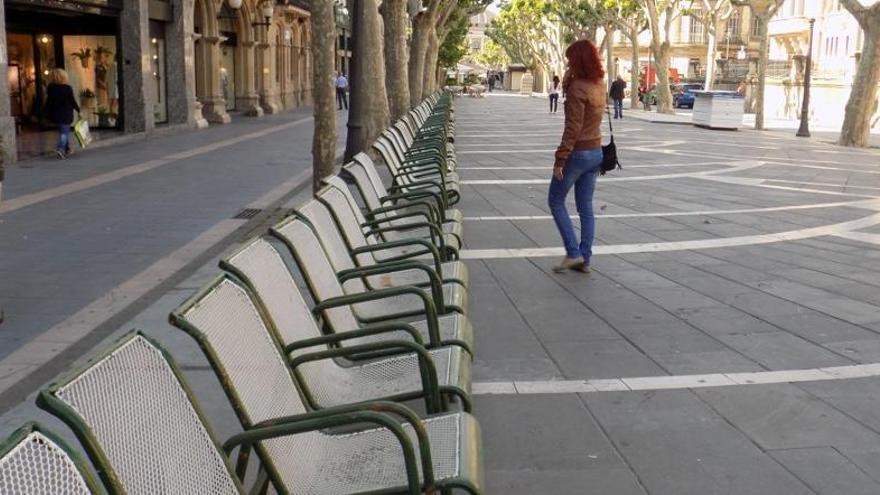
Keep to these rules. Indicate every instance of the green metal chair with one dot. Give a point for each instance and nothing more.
(327, 375)
(33, 461)
(255, 374)
(356, 279)
(376, 197)
(138, 420)
(392, 224)
(338, 308)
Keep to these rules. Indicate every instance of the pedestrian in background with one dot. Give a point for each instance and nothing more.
(60, 104)
(341, 89)
(618, 93)
(555, 86)
(579, 155)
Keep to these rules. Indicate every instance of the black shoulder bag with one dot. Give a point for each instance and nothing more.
(609, 151)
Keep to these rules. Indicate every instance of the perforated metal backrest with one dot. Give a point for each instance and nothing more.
(322, 223)
(35, 464)
(316, 268)
(136, 408)
(262, 266)
(385, 149)
(254, 371)
(349, 220)
(363, 161)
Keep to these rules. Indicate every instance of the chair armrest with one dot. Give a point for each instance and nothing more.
(375, 295)
(373, 222)
(430, 248)
(411, 208)
(436, 233)
(433, 278)
(337, 337)
(427, 369)
(318, 421)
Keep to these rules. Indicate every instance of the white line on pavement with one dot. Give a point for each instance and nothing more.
(656, 247)
(854, 204)
(673, 382)
(56, 192)
(752, 182)
(861, 236)
(734, 166)
(46, 346)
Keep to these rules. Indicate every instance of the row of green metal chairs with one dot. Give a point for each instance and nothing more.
(340, 339)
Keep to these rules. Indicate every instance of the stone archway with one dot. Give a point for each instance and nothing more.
(246, 98)
(263, 68)
(209, 90)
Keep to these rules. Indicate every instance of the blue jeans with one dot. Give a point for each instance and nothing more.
(618, 109)
(580, 172)
(63, 138)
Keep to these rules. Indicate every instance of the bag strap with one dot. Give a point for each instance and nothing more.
(608, 111)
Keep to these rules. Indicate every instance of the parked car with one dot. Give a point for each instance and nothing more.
(683, 95)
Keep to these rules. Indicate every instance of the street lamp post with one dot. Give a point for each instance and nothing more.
(804, 130)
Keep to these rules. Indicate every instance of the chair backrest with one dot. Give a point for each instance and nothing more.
(260, 266)
(312, 261)
(366, 178)
(348, 218)
(35, 462)
(135, 415)
(250, 365)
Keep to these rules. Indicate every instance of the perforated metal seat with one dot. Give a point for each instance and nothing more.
(132, 412)
(369, 249)
(329, 382)
(252, 369)
(341, 310)
(321, 221)
(36, 462)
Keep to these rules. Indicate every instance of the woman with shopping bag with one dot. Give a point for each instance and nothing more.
(60, 104)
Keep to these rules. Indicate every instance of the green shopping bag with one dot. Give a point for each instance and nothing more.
(81, 130)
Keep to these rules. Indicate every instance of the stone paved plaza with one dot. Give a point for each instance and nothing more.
(728, 341)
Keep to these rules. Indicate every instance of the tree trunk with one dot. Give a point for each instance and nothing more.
(862, 102)
(610, 67)
(396, 57)
(636, 70)
(763, 55)
(368, 115)
(323, 23)
(418, 50)
(710, 61)
(661, 68)
(432, 53)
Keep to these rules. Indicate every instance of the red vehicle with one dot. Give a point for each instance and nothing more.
(648, 73)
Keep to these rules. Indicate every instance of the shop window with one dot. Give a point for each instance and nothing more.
(94, 77)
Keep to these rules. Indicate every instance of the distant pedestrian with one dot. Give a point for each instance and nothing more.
(618, 93)
(579, 156)
(60, 104)
(341, 89)
(555, 87)
(645, 98)
(741, 88)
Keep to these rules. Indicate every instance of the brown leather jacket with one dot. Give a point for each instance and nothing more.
(584, 107)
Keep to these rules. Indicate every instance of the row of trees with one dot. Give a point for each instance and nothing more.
(536, 32)
(399, 55)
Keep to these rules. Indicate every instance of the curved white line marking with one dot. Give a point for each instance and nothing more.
(656, 247)
(676, 381)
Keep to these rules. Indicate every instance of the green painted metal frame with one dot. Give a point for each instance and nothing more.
(431, 390)
(311, 421)
(47, 401)
(430, 314)
(31, 427)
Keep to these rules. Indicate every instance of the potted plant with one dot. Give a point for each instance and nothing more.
(86, 98)
(103, 114)
(83, 54)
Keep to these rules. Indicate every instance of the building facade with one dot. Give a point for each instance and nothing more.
(143, 66)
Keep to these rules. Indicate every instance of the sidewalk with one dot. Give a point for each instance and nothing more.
(87, 243)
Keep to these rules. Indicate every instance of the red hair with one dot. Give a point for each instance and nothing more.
(584, 61)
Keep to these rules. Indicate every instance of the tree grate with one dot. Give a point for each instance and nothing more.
(247, 213)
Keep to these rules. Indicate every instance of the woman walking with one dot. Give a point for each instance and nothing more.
(579, 155)
(60, 105)
(554, 94)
